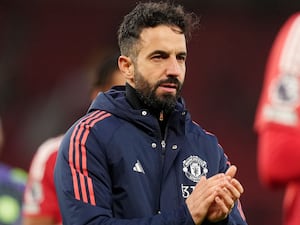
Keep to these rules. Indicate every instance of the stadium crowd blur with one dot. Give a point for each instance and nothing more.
(49, 48)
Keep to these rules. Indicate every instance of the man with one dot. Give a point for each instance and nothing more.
(278, 119)
(40, 200)
(12, 185)
(137, 157)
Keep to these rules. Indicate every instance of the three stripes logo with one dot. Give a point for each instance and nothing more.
(138, 167)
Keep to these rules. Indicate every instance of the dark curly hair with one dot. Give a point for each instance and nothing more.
(152, 14)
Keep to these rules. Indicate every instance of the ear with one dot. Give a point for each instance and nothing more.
(126, 67)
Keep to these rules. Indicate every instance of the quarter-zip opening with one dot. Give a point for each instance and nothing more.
(163, 131)
(163, 154)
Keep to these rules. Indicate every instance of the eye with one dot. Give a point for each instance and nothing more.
(157, 56)
(181, 57)
(160, 55)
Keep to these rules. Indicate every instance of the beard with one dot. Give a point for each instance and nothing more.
(148, 96)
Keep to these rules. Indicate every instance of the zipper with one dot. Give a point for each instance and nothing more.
(163, 154)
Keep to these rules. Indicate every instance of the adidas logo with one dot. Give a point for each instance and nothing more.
(138, 167)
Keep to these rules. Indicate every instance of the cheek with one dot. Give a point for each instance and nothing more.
(182, 75)
(151, 75)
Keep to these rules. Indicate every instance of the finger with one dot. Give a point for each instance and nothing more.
(234, 189)
(232, 206)
(237, 185)
(202, 179)
(231, 171)
(222, 206)
(207, 188)
(227, 198)
(217, 180)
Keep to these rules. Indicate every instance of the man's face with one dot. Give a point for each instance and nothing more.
(159, 69)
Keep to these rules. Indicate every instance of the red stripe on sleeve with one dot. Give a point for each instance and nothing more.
(91, 191)
(84, 160)
(83, 189)
(77, 143)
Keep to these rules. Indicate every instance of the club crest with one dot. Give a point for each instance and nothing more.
(285, 90)
(194, 168)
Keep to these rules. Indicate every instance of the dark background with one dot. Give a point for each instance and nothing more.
(50, 48)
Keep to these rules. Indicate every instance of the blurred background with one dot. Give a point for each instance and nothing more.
(49, 50)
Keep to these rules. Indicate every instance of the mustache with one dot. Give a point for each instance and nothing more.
(171, 80)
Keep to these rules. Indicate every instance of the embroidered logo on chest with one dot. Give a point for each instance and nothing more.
(194, 167)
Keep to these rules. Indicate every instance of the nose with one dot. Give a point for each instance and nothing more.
(175, 67)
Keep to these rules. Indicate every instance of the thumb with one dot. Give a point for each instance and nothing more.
(231, 171)
(202, 179)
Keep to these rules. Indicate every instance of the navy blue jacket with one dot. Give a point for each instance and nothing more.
(115, 168)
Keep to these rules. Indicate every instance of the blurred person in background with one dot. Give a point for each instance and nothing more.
(12, 185)
(278, 120)
(40, 201)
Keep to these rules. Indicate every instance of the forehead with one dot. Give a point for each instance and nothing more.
(164, 38)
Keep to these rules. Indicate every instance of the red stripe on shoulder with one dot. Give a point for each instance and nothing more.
(78, 157)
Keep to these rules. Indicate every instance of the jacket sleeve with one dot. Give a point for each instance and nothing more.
(85, 194)
(279, 156)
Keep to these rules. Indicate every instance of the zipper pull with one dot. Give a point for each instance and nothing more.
(163, 145)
